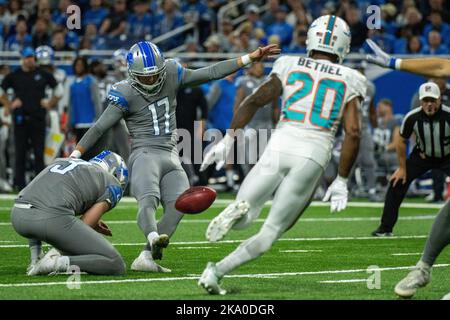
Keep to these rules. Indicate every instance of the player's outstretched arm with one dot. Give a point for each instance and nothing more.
(337, 192)
(224, 68)
(265, 93)
(430, 67)
(107, 120)
(92, 217)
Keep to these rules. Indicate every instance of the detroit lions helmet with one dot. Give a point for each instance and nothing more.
(114, 164)
(329, 34)
(120, 59)
(44, 55)
(146, 68)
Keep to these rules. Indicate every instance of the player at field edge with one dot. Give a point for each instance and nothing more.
(439, 237)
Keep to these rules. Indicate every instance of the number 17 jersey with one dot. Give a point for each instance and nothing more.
(315, 93)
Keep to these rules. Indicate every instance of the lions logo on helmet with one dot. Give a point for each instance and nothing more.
(146, 68)
(113, 164)
(44, 55)
(329, 34)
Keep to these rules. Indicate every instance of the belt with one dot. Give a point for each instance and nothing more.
(23, 205)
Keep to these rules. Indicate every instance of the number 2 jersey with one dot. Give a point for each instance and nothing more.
(71, 186)
(315, 93)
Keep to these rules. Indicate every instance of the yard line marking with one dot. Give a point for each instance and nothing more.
(331, 219)
(343, 281)
(185, 248)
(195, 277)
(293, 251)
(239, 241)
(407, 254)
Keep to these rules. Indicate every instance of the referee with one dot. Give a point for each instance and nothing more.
(431, 127)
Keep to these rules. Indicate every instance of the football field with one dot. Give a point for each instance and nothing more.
(324, 256)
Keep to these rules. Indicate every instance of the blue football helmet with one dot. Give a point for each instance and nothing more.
(44, 55)
(146, 68)
(113, 164)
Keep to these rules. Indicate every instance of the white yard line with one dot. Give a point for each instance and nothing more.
(195, 277)
(300, 251)
(186, 248)
(407, 254)
(125, 244)
(343, 281)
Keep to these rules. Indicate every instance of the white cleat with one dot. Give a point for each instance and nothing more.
(446, 297)
(223, 223)
(209, 280)
(145, 263)
(419, 277)
(158, 244)
(46, 265)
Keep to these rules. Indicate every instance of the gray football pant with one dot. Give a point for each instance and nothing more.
(439, 236)
(366, 159)
(85, 247)
(157, 175)
(294, 180)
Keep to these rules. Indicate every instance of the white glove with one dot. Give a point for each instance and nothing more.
(75, 154)
(218, 153)
(338, 193)
(381, 58)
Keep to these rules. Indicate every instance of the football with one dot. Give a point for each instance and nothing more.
(195, 200)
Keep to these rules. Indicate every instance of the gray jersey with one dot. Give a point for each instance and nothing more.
(151, 120)
(384, 133)
(263, 116)
(365, 106)
(71, 186)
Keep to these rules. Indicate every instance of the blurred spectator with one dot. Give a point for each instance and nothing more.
(40, 33)
(436, 23)
(269, 17)
(414, 45)
(298, 15)
(401, 19)
(252, 13)
(29, 109)
(20, 39)
(413, 21)
(115, 22)
(212, 44)
(169, 19)
(384, 40)
(192, 45)
(226, 36)
(244, 43)
(43, 12)
(388, 12)
(5, 125)
(197, 12)
(84, 103)
(59, 41)
(12, 14)
(434, 45)
(298, 45)
(357, 28)
(436, 5)
(59, 17)
(280, 27)
(384, 136)
(140, 23)
(96, 14)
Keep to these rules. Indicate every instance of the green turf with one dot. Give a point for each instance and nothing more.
(275, 275)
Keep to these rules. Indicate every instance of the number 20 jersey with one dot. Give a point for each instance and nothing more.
(315, 93)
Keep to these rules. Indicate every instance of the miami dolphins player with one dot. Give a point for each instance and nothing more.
(147, 102)
(48, 209)
(317, 93)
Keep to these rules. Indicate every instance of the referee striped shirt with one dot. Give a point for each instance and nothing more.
(432, 133)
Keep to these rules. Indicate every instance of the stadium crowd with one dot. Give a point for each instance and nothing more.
(407, 27)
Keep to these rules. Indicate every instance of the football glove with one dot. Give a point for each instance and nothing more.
(338, 193)
(76, 154)
(218, 153)
(380, 57)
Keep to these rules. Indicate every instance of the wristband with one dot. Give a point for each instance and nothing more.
(397, 63)
(344, 180)
(246, 59)
(75, 154)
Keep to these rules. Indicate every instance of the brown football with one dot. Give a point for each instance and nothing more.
(195, 200)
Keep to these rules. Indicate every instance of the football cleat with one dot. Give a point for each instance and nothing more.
(209, 280)
(46, 265)
(145, 263)
(382, 233)
(446, 297)
(158, 244)
(223, 223)
(419, 277)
